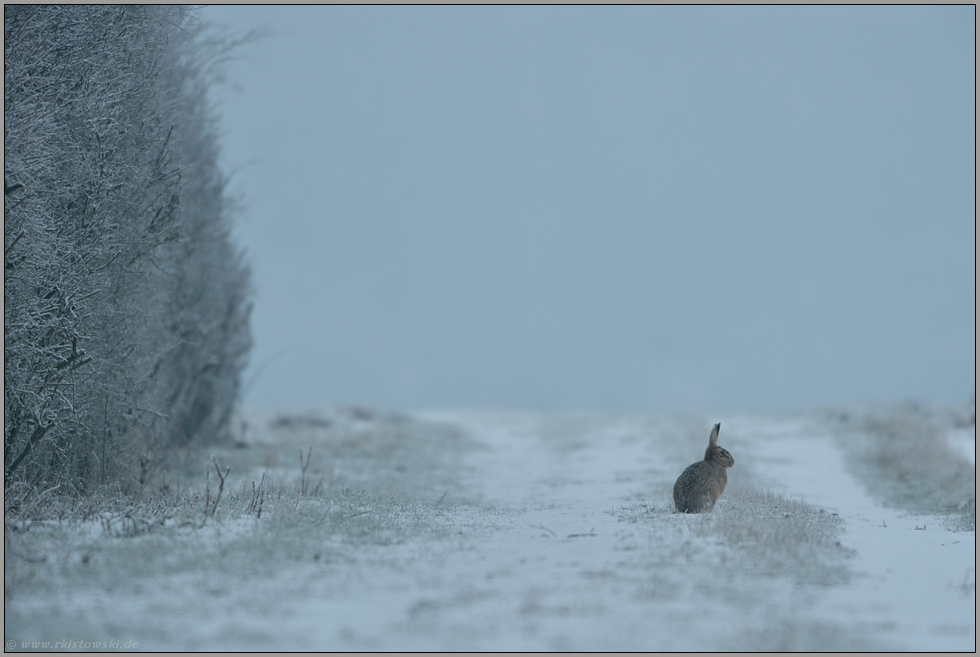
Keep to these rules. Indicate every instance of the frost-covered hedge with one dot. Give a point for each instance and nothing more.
(125, 301)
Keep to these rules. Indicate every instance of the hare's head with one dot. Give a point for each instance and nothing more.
(716, 453)
(721, 455)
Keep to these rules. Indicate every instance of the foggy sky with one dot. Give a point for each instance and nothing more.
(606, 208)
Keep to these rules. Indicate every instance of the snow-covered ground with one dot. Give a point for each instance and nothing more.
(466, 530)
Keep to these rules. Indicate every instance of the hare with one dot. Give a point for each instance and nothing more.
(702, 483)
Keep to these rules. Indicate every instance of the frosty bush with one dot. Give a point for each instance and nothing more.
(125, 302)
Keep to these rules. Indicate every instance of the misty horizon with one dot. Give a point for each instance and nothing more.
(759, 209)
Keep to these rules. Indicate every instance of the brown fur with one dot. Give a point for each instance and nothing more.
(702, 483)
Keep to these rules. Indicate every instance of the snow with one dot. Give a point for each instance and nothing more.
(910, 571)
(522, 532)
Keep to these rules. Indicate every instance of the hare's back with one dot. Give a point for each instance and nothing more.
(699, 487)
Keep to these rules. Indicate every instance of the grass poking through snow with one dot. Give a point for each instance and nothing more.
(905, 461)
(765, 533)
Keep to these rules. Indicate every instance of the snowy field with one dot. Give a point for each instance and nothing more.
(842, 529)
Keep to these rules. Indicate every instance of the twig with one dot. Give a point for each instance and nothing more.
(16, 239)
(221, 486)
(258, 511)
(35, 438)
(302, 467)
(545, 529)
(443, 497)
(591, 533)
(258, 495)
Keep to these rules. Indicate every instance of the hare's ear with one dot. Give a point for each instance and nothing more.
(713, 440)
